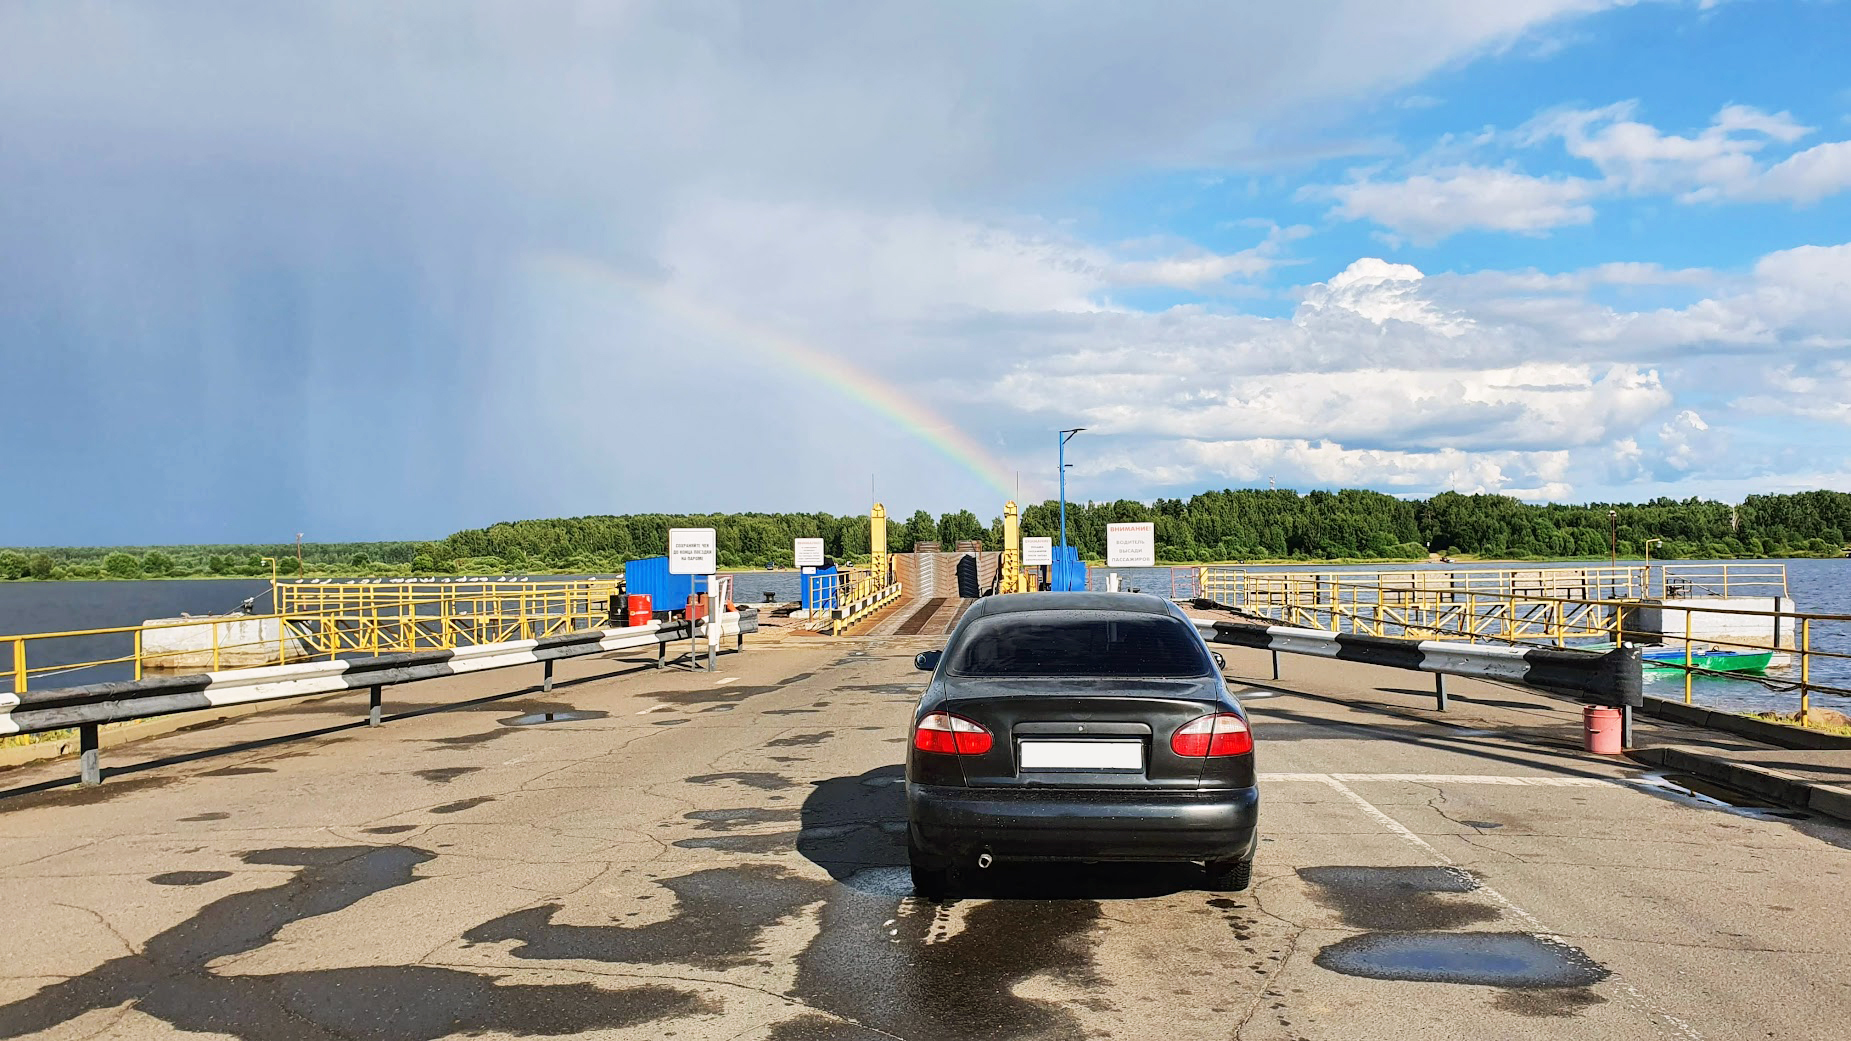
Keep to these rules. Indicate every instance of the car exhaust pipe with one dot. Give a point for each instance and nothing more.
(983, 860)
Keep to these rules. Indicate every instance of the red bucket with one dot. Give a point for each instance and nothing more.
(1601, 730)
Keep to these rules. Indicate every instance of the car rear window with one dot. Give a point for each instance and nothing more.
(1078, 643)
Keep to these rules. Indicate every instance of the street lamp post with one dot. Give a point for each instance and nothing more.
(1065, 436)
(1613, 538)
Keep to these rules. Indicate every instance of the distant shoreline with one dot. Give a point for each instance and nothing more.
(1462, 561)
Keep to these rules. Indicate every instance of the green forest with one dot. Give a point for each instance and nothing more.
(1229, 525)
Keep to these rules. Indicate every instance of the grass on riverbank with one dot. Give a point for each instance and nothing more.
(1825, 721)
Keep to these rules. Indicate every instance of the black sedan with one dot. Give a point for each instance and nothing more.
(1078, 726)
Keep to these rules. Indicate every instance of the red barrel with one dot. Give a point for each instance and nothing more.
(1601, 730)
(697, 607)
(640, 610)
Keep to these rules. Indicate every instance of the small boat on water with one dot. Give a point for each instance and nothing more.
(1710, 660)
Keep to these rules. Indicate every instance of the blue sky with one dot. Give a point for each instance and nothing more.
(265, 271)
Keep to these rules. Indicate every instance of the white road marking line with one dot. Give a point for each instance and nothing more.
(725, 680)
(658, 708)
(1653, 1011)
(1503, 779)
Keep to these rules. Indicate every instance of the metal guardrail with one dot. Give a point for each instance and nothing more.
(89, 706)
(1597, 677)
(323, 620)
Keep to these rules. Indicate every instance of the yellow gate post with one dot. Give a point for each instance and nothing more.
(1012, 549)
(877, 542)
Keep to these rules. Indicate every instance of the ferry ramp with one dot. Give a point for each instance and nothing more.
(721, 855)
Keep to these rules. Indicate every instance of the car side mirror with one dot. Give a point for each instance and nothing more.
(926, 661)
(1220, 662)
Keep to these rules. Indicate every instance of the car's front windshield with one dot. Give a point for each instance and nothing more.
(1078, 643)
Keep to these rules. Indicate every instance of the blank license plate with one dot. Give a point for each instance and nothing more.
(1082, 755)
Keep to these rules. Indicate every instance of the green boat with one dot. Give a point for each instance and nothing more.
(1711, 660)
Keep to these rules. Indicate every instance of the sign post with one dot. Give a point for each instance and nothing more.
(1037, 552)
(691, 552)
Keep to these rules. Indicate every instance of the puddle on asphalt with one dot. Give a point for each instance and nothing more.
(1716, 796)
(1517, 960)
(1398, 898)
(390, 829)
(207, 817)
(539, 718)
(188, 878)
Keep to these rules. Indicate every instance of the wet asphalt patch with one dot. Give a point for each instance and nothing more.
(169, 977)
(239, 771)
(465, 741)
(390, 829)
(207, 817)
(775, 842)
(720, 916)
(188, 878)
(556, 716)
(1517, 960)
(800, 740)
(767, 782)
(734, 819)
(444, 774)
(1398, 899)
(462, 804)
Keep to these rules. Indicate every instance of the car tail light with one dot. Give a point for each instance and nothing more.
(1221, 734)
(947, 734)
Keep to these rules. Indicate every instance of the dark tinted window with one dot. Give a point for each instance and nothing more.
(1078, 643)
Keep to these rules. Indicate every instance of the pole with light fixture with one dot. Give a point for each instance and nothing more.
(1065, 436)
(1648, 563)
(1613, 538)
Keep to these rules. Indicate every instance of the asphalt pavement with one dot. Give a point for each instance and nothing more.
(721, 856)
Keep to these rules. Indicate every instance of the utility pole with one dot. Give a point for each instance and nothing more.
(298, 554)
(1613, 538)
(1065, 436)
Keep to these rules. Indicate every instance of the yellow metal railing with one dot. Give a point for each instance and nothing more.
(319, 620)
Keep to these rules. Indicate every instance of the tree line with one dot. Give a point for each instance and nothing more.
(1229, 525)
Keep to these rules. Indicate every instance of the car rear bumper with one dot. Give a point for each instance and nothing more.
(1072, 824)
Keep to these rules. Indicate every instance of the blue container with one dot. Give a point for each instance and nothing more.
(649, 577)
(1067, 575)
(817, 591)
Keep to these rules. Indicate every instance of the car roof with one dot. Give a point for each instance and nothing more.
(1117, 603)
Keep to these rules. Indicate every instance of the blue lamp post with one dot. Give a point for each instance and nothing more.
(1065, 436)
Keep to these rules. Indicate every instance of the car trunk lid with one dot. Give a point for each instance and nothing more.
(1081, 733)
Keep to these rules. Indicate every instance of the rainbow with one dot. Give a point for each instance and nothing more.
(875, 394)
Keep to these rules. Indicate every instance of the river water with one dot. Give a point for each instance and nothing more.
(1815, 586)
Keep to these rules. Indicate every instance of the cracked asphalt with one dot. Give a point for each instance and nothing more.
(721, 856)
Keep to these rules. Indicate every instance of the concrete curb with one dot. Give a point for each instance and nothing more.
(1775, 785)
(1733, 723)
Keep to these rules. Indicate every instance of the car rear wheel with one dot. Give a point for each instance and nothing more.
(931, 875)
(1230, 876)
